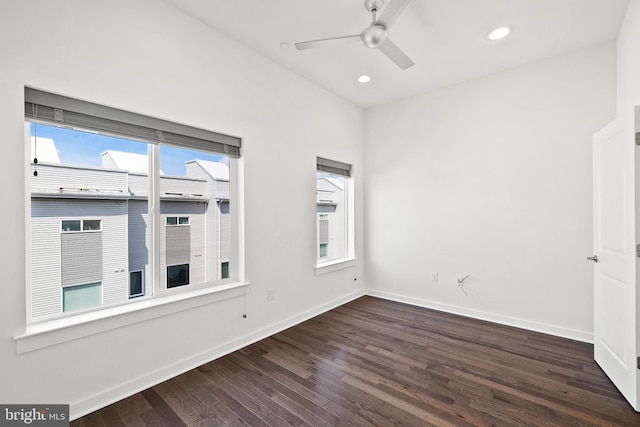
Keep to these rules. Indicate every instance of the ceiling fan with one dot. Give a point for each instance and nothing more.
(375, 36)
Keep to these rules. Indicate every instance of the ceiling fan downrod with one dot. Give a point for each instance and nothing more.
(376, 34)
(373, 5)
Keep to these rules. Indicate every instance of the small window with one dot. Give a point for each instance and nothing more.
(177, 220)
(75, 225)
(81, 297)
(90, 225)
(177, 275)
(224, 268)
(136, 288)
(68, 226)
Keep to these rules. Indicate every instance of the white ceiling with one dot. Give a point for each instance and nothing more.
(445, 38)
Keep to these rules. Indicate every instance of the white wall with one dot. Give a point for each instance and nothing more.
(492, 179)
(629, 61)
(146, 57)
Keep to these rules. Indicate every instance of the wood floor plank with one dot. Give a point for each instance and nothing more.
(160, 407)
(374, 362)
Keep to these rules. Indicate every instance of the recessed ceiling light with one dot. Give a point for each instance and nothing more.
(499, 33)
(364, 79)
(284, 45)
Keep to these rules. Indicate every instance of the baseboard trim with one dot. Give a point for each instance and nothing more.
(100, 400)
(490, 317)
(107, 397)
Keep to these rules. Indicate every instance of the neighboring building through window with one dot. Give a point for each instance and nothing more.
(90, 216)
(333, 210)
(323, 230)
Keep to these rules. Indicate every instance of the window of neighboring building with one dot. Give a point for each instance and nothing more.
(323, 234)
(177, 275)
(127, 206)
(81, 297)
(91, 224)
(136, 288)
(224, 270)
(80, 225)
(323, 250)
(334, 211)
(69, 226)
(177, 220)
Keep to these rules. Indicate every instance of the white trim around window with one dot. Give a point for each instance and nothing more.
(46, 334)
(155, 302)
(345, 172)
(335, 265)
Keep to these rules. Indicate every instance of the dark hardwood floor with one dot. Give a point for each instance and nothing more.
(381, 363)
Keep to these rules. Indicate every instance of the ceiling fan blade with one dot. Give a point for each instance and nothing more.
(392, 11)
(394, 53)
(326, 42)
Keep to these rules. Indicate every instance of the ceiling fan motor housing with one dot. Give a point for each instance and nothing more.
(374, 36)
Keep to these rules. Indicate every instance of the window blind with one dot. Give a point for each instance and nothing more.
(58, 110)
(334, 167)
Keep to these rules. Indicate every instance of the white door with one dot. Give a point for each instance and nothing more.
(615, 328)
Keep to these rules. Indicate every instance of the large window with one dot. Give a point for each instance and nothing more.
(334, 211)
(123, 206)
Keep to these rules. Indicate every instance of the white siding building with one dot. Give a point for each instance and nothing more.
(89, 239)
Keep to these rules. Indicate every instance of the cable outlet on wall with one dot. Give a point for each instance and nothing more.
(434, 277)
(270, 294)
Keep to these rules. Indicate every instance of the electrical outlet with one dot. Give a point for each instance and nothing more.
(270, 294)
(434, 277)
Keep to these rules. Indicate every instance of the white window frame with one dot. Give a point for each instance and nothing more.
(74, 325)
(324, 267)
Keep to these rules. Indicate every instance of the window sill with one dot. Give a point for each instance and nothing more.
(57, 331)
(334, 265)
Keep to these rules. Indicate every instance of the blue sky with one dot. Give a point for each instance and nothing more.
(84, 148)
